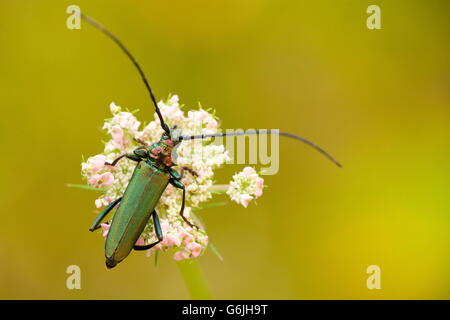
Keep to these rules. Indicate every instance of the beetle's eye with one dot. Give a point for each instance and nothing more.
(176, 133)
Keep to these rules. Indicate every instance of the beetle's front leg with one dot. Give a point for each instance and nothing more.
(178, 176)
(141, 142)
(131, 156)
(190, 170)
(175, 175)
(179, 185)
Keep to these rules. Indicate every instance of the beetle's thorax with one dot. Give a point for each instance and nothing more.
(161, 152)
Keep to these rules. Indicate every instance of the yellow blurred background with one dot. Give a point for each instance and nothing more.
(378, 100)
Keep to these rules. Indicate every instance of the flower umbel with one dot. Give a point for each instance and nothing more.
(246, 186)
(125, 132)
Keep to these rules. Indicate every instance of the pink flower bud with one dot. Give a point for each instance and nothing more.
(171, 240)
(105, 227)
(195, 249)
(259, 185)
(117, 134)
(180, 255)
(106, 179)
(93, 179)
(249, 171)
(139, 242)
(245, 200)
(165, 226)
(97, 162)
(212, 124)
(187, 238)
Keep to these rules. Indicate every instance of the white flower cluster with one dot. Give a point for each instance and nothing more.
(202, 157)
(246, 186)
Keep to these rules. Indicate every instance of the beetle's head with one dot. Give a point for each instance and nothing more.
(164, 151)
(171, 139)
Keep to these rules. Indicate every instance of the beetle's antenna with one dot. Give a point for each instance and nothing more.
(125, 50)
(257, 132)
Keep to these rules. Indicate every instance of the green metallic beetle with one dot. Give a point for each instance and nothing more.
(153, 172)
(150, 178)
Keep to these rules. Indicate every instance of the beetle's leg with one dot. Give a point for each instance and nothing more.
(175, 175)
(179, 185)
(130, 156)
(141, 142)
(190, 170)
(158, 232)
(96, 224)
(178, 176)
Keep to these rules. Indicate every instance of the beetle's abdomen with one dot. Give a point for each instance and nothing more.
(139, 200)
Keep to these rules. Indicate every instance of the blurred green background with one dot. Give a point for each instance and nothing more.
(378, 100)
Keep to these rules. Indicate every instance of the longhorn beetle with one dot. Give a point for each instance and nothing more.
(153, 172)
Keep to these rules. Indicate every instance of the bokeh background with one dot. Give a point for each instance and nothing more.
(376, 99)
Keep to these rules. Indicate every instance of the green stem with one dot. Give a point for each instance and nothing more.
(194, 279)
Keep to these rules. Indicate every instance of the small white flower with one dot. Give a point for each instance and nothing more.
(114, 109)
(173, 100)
(246, 186)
